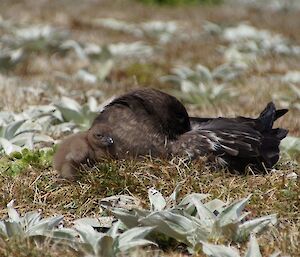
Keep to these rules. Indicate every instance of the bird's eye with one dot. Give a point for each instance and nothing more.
(97, 135)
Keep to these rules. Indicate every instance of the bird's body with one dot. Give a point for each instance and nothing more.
(143, 122)
(86, 147)
(149, 122)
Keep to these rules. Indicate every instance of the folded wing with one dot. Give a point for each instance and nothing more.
(234, 142)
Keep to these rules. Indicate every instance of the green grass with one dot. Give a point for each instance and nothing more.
(16, 162)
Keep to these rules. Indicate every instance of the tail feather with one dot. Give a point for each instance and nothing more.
(280, 113)
(267, 117)
(242, 141)
(271, 137)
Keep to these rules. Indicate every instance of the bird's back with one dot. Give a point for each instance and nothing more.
(143, 120)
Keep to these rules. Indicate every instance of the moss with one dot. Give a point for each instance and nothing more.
(16, 162)
(145, 74)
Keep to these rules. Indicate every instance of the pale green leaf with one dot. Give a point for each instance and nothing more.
(203, 213)
(44, 226)
(157, 201)
(13, 215)
(219, 250)
(113, 231)
(188, 204)
(132, 235)
(253, 248)
(290, 145)
(89, 236)
(30, 219)
(93, 222)
(172, 225)
(104, 69)
(64, 234)
(2, 228)
(13, 229)
(128, 218)
(135, 243)
(203, 73)
(254, 226)
(215, 205)
(12, 128)
(232, 213)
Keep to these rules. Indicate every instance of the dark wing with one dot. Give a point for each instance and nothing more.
(236, 142)
(270, 112)
(225, 140)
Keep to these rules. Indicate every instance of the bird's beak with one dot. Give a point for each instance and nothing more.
(108, 141)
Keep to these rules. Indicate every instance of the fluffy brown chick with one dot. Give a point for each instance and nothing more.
(86, 147)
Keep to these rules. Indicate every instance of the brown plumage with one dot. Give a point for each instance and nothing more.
(150, 122)
(83, 148)
(143, 121)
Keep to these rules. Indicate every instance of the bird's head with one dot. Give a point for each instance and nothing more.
(99, 136)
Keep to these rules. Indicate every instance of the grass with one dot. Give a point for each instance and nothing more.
(25, 248)
(30, 179)
(273, 193)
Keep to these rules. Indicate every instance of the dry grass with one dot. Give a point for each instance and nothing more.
(38, 188)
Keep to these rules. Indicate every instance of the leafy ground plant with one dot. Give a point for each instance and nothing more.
(21, 134)
(200, 86)
(29, 128)
(291, 145)
(82, 237)
(72, 111)
(112, 243)
(192, 222)
(20, 42)
(226, 251)
(30, 225)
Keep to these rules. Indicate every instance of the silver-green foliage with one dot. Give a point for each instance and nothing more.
(72, 111)
(291, 100)
(80, 237)
(20, 41)
(34, 125)
(30, 225)
(253, 250)
(248, 42)
(21, 134)
(111, 243)
(200, 86)
(191, 221)
(291, 145)
(164, 31)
